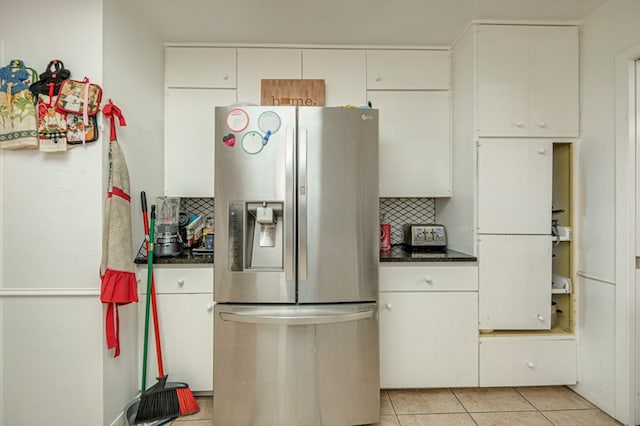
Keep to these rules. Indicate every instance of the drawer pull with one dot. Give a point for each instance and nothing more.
(225, 76)
(181, 282)
(378, 78)
(530, 365)
(428, 280)
(210, 306)
(540, 317)
(388, 306)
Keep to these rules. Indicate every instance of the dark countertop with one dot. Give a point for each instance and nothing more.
(187, 257)
(396, 254)
(399, 254)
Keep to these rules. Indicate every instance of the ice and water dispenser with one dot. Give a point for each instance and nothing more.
(256, 230)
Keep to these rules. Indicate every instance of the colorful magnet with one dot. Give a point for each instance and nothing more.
(266, 137)
(229, 140)
(269, 120)
(237, 120)
(252, 142)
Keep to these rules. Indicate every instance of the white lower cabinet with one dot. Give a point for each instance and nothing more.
(185, 311)
(527, 361)
(428, 338)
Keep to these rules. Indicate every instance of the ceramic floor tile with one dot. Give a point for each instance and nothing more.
(387, 420)
(521, 418)
(591, 417)
(385, 404)
(205, 413)
(458, 419)
(492, 399)
(425, 401)
(554, 398)
(192, 423)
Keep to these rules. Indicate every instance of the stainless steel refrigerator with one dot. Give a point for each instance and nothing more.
(296, 266)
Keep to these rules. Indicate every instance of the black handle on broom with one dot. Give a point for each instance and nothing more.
(146, 313)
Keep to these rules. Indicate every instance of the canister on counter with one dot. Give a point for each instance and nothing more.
(385, 234)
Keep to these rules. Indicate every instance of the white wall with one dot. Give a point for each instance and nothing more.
(54, 354)
(610, 30)
(51, 230)
(133, 79)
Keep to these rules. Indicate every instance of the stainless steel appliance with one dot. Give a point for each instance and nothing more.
(296, 266)
(168, 241)
(425, 236)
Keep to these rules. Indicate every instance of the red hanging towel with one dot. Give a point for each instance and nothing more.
(119, 285)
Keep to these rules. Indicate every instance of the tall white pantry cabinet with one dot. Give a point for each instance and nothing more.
(523, 88)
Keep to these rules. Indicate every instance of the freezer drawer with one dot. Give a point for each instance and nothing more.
(296, 365)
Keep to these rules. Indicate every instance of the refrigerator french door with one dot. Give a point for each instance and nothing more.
(296, 266)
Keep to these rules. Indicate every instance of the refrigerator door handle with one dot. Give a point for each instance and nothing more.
(295, 320)
(302, 205)
(289, 195)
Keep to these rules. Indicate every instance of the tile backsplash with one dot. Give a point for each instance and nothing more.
(397, 211)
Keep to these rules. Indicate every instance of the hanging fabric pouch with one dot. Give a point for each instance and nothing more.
(81, 98)
(18, 120)
(55, 74)
(52, 125)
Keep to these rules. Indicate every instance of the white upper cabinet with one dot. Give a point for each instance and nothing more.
(414, 143)
(514, 186)
(255, 64)
(527, 80)
(408, 69)
(200, 67)
(344, 73)
(189, 153)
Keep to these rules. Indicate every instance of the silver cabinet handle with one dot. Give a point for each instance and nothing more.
(293, 320)
(302, 205)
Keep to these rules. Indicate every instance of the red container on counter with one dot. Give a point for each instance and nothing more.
(385, 237)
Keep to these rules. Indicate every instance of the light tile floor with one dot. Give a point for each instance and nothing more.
(544, 406)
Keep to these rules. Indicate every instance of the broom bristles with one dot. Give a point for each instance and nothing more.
(186, 401)
(166, 400)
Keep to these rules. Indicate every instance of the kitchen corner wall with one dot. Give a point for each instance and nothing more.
(55, 365)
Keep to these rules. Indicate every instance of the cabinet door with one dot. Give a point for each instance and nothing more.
(408, 69)
(189, 139)
(428, 339)
(514, 186)
(186, 335)
(553, 81)
(414, 143)
(515, 282)
(344, 73)
(256, 64)
(503, 80)
(200, 67)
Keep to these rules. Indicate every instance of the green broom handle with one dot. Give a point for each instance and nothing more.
(146, 312)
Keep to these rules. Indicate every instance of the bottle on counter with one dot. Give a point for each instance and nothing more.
(207, 233)
(385, 234)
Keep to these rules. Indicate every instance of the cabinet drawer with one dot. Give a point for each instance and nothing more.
(179, 280)
(527, 362)
(200, 67)
(408, 69)
(428, 278)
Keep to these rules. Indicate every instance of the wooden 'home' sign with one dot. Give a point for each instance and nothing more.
(294, 92)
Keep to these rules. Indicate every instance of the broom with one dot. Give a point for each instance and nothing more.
(162, 400)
